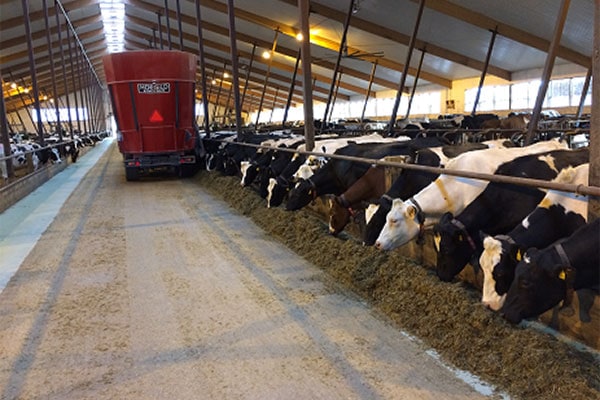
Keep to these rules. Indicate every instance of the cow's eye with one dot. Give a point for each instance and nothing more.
(525, 284)
(393, 221)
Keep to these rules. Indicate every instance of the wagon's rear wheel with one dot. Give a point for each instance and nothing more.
(132, 174)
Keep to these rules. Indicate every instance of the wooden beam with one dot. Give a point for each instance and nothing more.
(483, 21)
(262, 43)
(223, 48)
(322, 41)
(39, 15)
(398, 37)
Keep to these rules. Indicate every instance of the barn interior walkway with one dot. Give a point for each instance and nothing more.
(155, 289)
(22, 224)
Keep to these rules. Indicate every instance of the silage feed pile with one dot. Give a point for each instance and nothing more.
(448, 317)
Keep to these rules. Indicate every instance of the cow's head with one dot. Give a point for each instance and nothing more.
(402, 224)
(277, 190)
(244, 167)
(301, 195)
(370, 211)
(453, 245)
(265, 176)
(539, 285)
(495, 281)
(339, 214)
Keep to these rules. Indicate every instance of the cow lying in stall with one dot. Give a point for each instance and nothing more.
(558, 215)
(407, 219)
(497, 209)
(544, 278)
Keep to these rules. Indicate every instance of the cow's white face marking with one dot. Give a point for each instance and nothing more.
(272, 183)
(244, 165)
(490, 257)
(437, 240)
(304, 172)
(400, 226)
(370, 211)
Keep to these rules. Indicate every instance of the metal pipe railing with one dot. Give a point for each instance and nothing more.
(537, 183)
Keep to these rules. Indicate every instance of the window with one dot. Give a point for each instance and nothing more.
(490, 98)
(49, 114)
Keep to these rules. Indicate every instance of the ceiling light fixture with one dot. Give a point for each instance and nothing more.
(113, 19)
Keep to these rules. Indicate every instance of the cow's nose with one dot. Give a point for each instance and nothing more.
(378, 245)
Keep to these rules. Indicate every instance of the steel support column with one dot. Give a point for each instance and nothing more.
(34, 85)
(292, 86)
(269, 63)
(554, 44)
(64, 70)
(52, 72)
(234, 66)
(248, 74)
(368, 94)
(73, 82)
(25, 106)
(158, 15)
(414, 88)
(5, 138)
(485, 68)
(227, 108)
(273, 105)
(309, 126)
(178, 9)
(585, 89)
(167, 20)
(411, 46)
(594, 176)
(218, 96)
(205, 98)
(81, 91)
(337, 88)
(337, 63)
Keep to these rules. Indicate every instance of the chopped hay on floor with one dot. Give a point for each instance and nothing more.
(450, 318)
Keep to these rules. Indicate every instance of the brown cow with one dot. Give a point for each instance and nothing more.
(341, 208)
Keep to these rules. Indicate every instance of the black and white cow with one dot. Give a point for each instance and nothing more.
(337, 175)
(544, 278)
(302, 167)
(263, 157)
(558, 215)
(497, 209)
(448, 193)
(410, 182)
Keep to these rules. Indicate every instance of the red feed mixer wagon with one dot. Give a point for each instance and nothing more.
(153, 99)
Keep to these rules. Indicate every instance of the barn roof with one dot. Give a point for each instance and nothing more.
(454, 36)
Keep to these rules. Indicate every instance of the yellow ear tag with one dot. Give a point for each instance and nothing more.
(562, 276)
(460, 238)
(518, 255)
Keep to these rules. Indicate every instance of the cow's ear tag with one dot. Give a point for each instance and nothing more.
(257, 169)
(518, 256)
(562, 275)
(460, 238)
